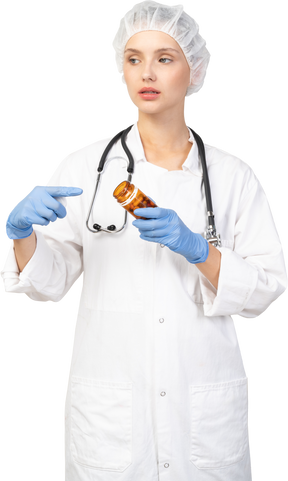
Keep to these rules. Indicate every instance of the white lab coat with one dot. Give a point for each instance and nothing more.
(157, 388)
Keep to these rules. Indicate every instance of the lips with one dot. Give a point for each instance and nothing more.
(148, 90)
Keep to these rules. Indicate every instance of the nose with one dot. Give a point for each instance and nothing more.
(148, 73)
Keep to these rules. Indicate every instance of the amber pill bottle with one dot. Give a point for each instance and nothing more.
(131, 198)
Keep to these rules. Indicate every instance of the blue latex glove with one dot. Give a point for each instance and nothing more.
(39, 207)
(164, 226)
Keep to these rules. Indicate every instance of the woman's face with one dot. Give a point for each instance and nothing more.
(166, 71)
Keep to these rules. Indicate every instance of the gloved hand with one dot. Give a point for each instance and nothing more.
(164, 226)
(39, 207)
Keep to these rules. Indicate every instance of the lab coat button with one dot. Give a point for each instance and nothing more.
(161, 320)
(166, 465)
(162, 245)
(163, 393)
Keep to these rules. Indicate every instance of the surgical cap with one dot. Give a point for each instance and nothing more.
(175, 22)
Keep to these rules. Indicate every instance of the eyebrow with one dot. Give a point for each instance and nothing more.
(156, 51)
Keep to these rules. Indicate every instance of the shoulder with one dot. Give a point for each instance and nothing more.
(83, 163)
(229, 169)
(90, 146)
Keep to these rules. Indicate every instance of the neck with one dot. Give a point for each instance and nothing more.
(163, 135)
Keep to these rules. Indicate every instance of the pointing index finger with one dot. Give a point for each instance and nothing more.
(63, 191)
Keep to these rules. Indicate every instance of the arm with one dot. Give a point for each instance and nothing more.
(24, 250)
(211, 267)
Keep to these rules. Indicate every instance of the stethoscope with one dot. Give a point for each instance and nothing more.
(210, 234)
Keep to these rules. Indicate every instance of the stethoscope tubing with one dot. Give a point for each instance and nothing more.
(210, 234)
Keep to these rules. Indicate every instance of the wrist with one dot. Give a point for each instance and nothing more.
(199, 250)
(13, 233)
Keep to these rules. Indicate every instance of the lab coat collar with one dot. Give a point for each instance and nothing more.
(134, 143)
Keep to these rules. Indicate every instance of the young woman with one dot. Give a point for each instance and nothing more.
(157, 386)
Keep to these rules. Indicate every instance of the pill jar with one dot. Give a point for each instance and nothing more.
(131, 198)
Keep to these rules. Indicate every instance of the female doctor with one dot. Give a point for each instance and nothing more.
(157, 387)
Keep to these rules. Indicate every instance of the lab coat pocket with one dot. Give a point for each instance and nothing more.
(101, 423)
(218, 423)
